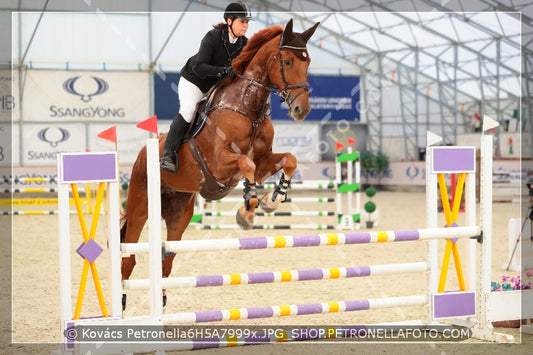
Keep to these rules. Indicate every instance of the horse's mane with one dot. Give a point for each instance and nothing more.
(253, 45)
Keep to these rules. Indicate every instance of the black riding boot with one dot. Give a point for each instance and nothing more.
(178, 128)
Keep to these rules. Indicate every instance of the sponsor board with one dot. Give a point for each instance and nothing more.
(300, 139)
(42, 142)
(9, 109)
(399, 173)
(86, 96)
(8, 150)
(332, 98)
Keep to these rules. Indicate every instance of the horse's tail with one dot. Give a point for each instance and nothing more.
(124, 227)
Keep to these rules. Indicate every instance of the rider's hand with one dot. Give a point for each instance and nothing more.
(229, 71)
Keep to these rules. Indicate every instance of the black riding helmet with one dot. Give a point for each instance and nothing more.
(237, 10)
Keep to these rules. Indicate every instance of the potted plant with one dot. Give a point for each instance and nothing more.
(370, 206)
(511, 283)
(367, 163)
(381, 163)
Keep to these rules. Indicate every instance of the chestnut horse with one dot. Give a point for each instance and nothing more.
(235, 143)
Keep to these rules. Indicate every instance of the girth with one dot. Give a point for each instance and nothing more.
(211, 189)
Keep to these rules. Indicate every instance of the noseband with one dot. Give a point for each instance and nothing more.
(283, 93)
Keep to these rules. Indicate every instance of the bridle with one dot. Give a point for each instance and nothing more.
(283, 93)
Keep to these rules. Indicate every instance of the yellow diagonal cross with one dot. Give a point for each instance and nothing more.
(86, 237)
(451, 217)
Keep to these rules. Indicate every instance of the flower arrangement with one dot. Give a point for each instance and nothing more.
(510, 283)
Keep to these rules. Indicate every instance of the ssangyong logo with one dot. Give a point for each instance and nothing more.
(86, 87)
(70, 87)
(53, 135)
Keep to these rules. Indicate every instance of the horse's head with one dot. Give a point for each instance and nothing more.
(290, 75)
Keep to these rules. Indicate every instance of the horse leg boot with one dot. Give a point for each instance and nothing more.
(270, 202)
(178, 128)
(245, 215)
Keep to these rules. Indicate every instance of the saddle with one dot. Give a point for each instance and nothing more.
(212, 189)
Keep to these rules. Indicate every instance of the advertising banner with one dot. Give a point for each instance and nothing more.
(331, 97)
(9, 153)
(300, 139)
(166, 102)
(61, 96)
(42, 142)
(8, 95)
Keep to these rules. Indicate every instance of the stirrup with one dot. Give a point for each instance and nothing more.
(167, 165)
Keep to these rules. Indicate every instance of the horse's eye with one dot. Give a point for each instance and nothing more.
(287, 62)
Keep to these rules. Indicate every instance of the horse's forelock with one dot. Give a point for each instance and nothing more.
(253, 45)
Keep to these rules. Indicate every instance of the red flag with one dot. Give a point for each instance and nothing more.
(339, 145)
(351, 141)
(149, 125)
(110, 135)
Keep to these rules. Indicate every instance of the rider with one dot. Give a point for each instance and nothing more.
(212, 62)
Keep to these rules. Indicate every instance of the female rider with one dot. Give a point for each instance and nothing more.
(203, 70)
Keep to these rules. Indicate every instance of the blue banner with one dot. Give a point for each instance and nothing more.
(332, 98)
(166, 103)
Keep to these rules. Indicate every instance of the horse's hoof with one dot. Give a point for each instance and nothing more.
(242, 220)
(164, 300)
(267, 204)
(123, 301)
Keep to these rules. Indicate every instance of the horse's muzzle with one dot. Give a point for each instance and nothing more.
(299, 111)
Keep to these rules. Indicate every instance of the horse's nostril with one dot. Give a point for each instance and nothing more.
(297, 110)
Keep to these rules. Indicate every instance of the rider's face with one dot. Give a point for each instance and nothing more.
(239, 26)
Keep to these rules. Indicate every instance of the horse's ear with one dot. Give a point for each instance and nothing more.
(287, 33)
(309, 32)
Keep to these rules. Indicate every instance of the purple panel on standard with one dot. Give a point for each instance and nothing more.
(88, 167)
(260, 312)
(357, 305)
(311, 308)
(261, 278)
(355, 271)
(252, 243)
(306, 240)
(315, 274)
(401, 236)
(90, 250)
(204, 281)
(454, 240)
(457, 304)
(208, 316)
(454, 160)
(357, 238)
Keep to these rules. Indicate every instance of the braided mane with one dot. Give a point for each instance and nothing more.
(253, 45)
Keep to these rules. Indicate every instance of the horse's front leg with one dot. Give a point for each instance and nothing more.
(271, 165)
(245, 214)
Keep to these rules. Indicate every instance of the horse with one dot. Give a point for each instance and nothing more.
(235, 142)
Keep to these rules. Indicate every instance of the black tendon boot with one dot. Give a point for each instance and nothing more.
(178, 128)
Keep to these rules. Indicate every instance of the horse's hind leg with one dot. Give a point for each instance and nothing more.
(268, 167)
(177, 209)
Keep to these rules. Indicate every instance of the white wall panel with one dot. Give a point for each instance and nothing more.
(85, 37)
